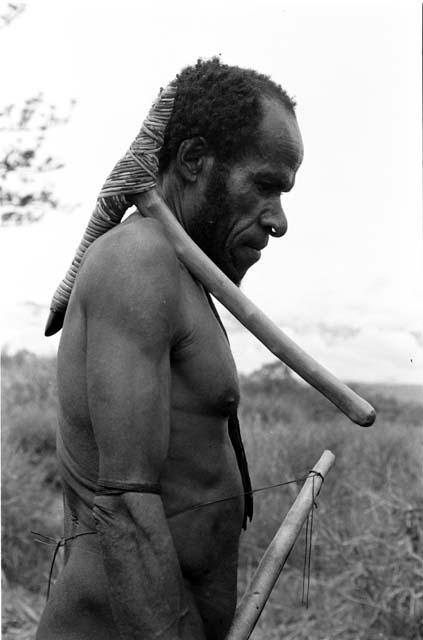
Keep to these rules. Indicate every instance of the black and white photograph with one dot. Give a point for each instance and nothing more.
(212, 320)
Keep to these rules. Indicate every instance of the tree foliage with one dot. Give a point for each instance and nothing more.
(9, 11)
(25, 194)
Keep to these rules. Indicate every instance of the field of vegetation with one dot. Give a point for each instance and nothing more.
(367, 555)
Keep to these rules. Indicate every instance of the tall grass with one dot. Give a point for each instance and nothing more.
(30, 482)
(367, 569)
(367, 572)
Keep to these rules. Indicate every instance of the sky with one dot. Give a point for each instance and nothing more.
(345, 282)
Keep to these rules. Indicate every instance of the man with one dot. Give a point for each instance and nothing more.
(147, 380)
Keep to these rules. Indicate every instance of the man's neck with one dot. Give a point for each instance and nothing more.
(170, 189)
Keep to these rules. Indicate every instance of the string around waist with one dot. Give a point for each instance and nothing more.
(61, 542)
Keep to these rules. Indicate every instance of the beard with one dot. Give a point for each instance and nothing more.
(208, 228)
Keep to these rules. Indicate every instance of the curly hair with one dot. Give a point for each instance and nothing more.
(222, 103)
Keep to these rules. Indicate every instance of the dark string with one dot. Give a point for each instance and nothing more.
(236, 495)
(308, 543)
(58, 543)
(235, 437)
(308, 533)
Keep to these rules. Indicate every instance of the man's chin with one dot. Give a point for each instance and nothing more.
(238, 279)
(235, 275)
(231, 271)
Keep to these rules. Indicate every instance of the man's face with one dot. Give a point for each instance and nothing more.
(242, 203)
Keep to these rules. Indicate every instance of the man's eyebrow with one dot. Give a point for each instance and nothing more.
(273, 178)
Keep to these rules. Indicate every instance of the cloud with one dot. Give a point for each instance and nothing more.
(368, 355)
(22, 327)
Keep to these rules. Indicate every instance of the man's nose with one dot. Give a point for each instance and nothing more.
(274, 220)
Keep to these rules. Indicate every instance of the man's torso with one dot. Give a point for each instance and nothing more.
(200, 465)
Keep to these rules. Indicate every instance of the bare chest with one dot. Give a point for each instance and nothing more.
(204, 377)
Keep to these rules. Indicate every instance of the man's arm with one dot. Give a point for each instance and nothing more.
(131, 316)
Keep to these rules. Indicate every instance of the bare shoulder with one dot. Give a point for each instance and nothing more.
(132, 271)
(136, 242)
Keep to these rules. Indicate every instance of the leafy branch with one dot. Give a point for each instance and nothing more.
(25, 194)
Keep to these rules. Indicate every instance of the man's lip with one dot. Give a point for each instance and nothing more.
(256, 246)
(252, 253)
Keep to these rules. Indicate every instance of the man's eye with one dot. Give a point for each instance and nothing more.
(269, 189)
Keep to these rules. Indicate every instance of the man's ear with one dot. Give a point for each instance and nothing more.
(190, 158)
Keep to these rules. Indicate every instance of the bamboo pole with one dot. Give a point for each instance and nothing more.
(356, 408)
(273, 561)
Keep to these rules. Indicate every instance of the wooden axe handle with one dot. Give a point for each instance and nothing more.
(356, 408)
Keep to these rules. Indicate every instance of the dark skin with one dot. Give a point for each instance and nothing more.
(146, 384)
